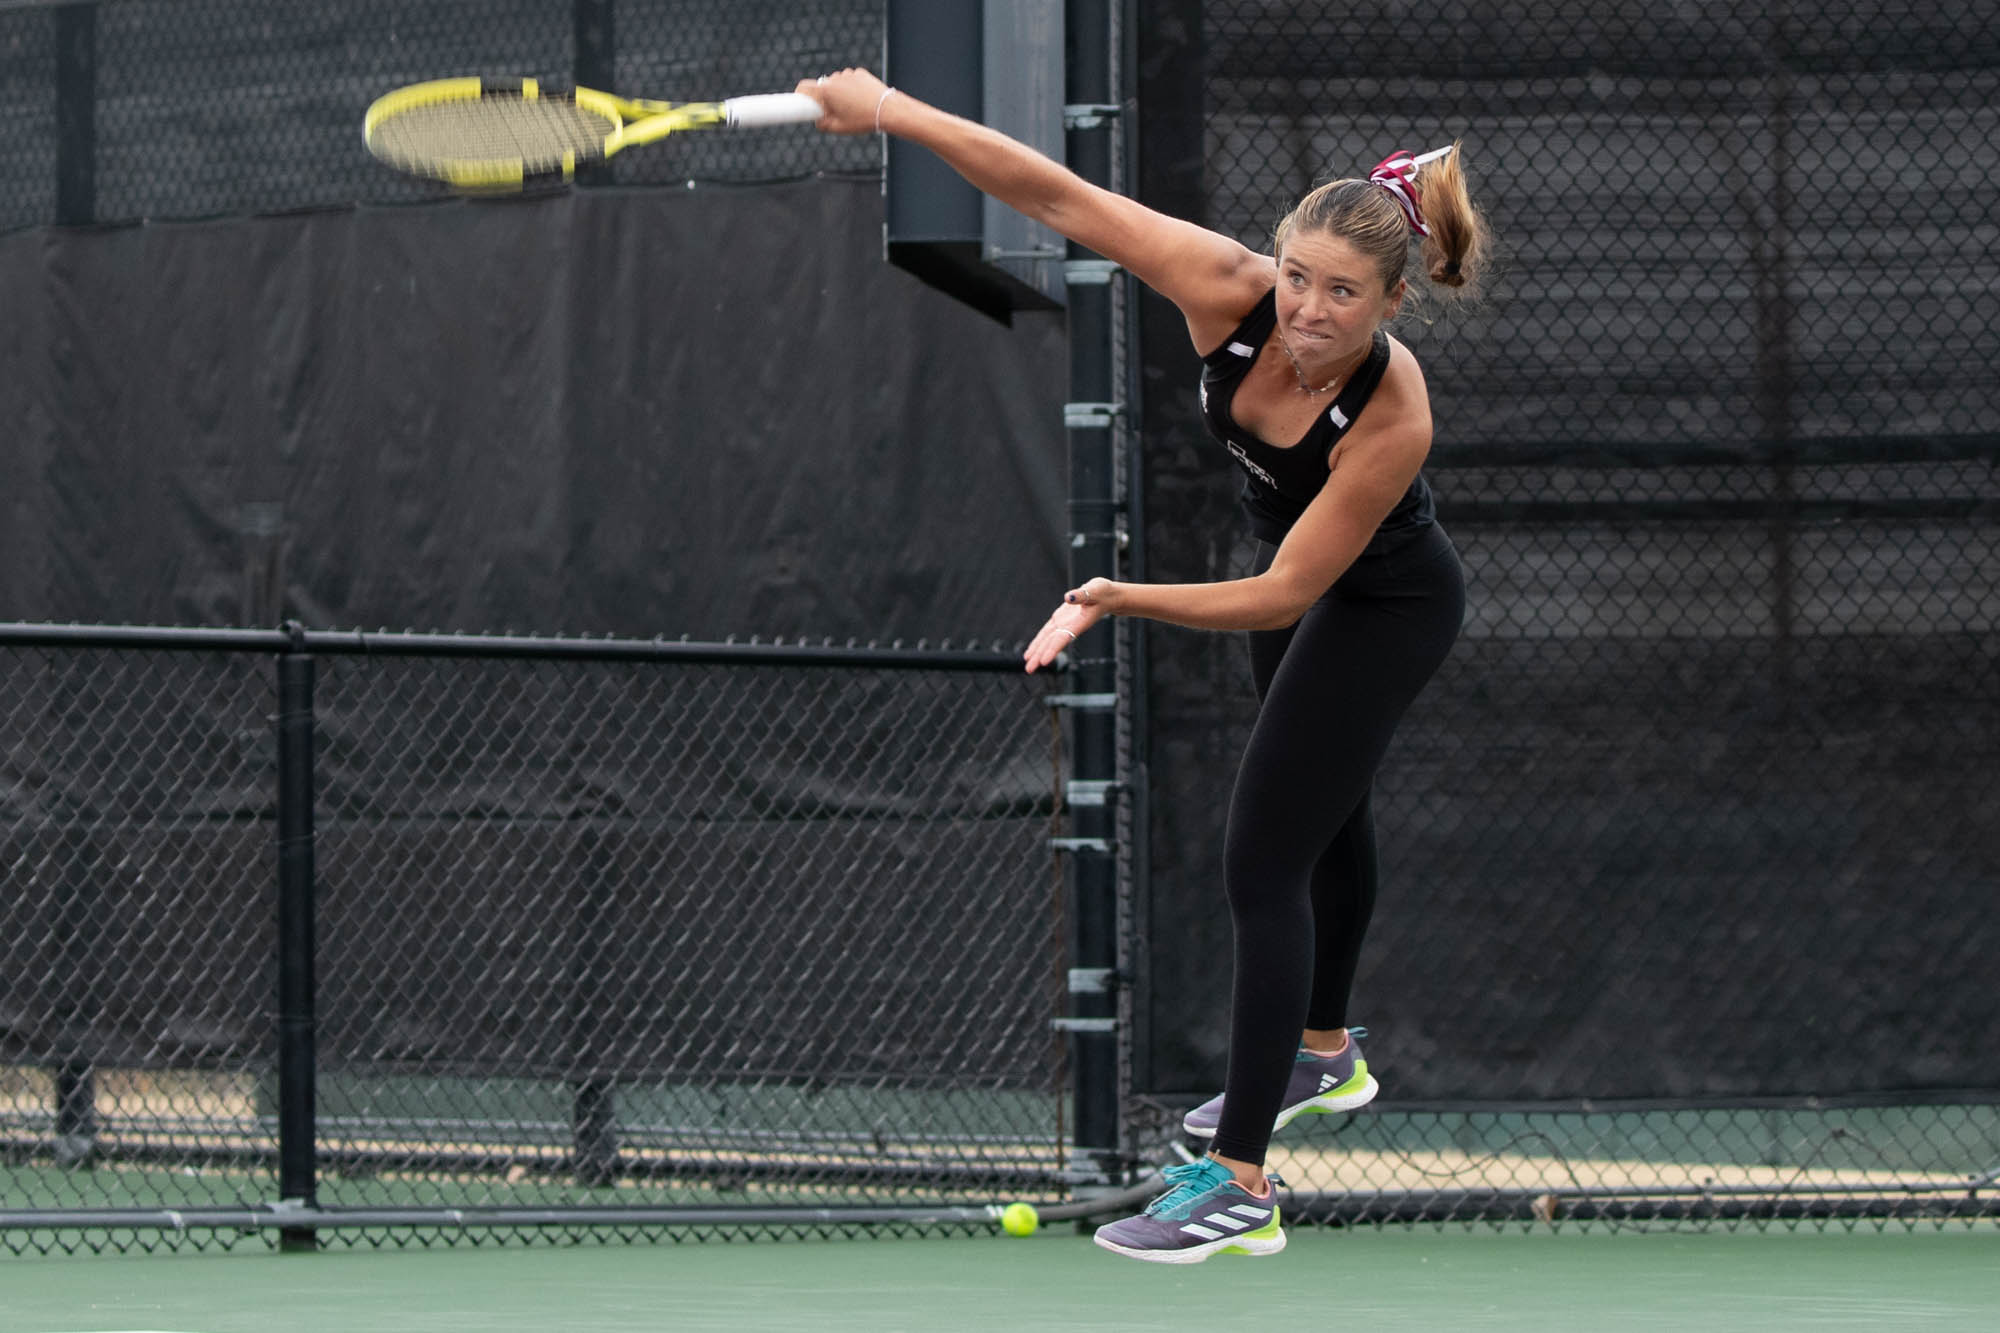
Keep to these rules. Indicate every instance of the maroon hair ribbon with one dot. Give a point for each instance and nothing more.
(1397, 173)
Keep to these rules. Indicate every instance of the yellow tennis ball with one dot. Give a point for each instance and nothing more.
(1019, 1219)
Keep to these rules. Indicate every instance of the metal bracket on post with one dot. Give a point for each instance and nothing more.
(1090, 115)
(1098, 1026)
(1090, 416)
(1119, 537)
(1089, 272)
(1040, 254)
(1084, 703)
(1093, 980)
(1093, 793)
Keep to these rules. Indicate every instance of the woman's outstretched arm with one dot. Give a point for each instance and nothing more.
(1210, 277)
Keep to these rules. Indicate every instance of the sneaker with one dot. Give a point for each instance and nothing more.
(1320, 1084)
(1206, 1212)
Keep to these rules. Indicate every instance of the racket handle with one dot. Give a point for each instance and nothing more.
(772, 109)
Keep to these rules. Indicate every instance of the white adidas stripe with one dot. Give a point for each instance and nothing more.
(1243, 349)
(1240, 1217)
(1339, 417)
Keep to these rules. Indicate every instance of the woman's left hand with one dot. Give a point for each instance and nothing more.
(1081, 608)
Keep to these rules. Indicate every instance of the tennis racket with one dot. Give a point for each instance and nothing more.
(502, 134)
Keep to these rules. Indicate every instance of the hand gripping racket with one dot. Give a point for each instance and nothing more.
(501, 134)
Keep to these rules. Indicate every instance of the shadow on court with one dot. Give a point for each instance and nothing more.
(1387, 1279)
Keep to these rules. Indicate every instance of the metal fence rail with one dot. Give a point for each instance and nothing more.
(565, 933)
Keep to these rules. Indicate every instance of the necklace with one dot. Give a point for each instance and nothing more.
(1300, 371)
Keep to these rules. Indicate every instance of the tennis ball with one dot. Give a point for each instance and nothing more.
(1019, 1219)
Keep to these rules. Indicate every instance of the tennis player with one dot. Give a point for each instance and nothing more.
(1356, 597)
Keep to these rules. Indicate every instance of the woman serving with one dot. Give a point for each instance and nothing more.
(1355, 598)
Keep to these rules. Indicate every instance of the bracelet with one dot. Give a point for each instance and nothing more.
(878, 108)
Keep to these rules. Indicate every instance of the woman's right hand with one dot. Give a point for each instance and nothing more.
(852, 99)
(1081, 608)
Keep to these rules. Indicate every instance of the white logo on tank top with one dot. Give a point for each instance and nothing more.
(1236, 452)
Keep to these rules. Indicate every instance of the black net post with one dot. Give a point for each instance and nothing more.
(1094, 523)
(297, 1183)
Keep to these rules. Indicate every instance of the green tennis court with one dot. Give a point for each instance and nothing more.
(1392, 1278)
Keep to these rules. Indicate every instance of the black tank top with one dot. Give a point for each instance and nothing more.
(1278, 484)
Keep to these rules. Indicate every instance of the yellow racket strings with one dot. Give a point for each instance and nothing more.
(542, 133)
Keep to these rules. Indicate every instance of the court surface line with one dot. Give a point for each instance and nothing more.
(1395, 1279)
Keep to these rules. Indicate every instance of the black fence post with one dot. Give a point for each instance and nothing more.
(595, 30)
(1775, 325)
(1090, 117)
(76, 1111)
(80, 930)
(76, 114)
(594, 1127)
(593, 1104)
(297, 1058)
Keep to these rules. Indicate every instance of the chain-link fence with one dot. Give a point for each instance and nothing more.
(1690, 849)
(1701, 807)
(607, 936)
(164, 109)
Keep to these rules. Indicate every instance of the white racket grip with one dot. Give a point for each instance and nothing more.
(760, 109)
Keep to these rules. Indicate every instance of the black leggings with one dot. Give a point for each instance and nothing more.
(1299, 858)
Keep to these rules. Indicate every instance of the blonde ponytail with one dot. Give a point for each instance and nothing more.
(1454, 252)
